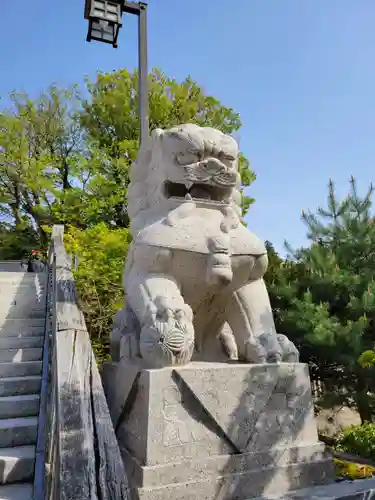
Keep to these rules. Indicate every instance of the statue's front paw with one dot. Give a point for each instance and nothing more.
(167, 338)
(271, 348)
(264, 348)
(290, 352)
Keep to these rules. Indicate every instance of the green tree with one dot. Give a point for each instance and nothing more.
(100, 251)
(40, 147)
(64, 159)
(15, 243)
(110, 122)
(328, 295)
(275, 263)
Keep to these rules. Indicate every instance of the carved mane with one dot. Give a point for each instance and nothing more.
(147, 179)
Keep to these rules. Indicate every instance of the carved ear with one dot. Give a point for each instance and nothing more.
(238, 178)
(157, 133)
(237, 197)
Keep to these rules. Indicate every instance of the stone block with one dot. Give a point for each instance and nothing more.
(222, 431)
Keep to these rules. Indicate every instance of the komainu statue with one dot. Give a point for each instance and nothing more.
(193, 276)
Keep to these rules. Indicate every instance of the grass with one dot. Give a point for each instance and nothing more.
(352, 471)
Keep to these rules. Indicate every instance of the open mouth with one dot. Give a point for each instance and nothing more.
(197, 191)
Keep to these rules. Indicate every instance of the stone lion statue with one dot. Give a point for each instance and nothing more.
(193, 276)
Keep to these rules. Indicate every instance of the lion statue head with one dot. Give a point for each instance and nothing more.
(181, 164)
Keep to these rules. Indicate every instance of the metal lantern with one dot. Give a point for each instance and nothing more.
(105, 20)
(104, 17)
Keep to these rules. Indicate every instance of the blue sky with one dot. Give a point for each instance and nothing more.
(301, 74)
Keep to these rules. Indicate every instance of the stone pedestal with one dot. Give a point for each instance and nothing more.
(216, 431)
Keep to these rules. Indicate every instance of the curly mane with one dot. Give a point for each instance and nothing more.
(146, 173)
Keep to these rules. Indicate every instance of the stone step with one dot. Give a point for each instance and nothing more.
(10, 293)
(21, 287)
(24, 323)
(20, 369)
(22, 309)
(23, 281)
(21, 296)
(31, 288)
(18, 431)
(22, 334)
(23, 278)
(21, 342)
(20, 312)
(18, 275)
(8, 278)
(22, 328)
(24, 405)
(30, 297)
(10, 266)
(22, 275)
(17, 464)
(16, 355)
(16, 492)
(11, 386)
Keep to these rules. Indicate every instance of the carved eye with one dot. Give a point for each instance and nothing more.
(187, 158)
(226, 157)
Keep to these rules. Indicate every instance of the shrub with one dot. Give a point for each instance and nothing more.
(101, 253)
(359, 440)
(352, 471)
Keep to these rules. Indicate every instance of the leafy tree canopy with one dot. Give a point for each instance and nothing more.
(65, 158)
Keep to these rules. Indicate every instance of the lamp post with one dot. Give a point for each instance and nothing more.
(105, 21)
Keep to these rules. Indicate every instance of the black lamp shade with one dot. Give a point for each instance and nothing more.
(104, 21)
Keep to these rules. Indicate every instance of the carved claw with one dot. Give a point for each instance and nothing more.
(267, 348)
(289, 350)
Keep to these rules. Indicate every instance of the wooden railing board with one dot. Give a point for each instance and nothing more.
(68, 315)
(87, 442)
(83, 455)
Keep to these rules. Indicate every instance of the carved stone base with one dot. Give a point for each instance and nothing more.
(216, 431)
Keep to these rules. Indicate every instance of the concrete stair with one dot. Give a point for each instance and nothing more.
(16, 464)
(7, 355)
(20, 369)
(20, 385)
(21, 342)
(24, 405)
(16, 492)
(22, 327)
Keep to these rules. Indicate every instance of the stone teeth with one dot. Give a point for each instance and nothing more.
(188, 197)
(189, 184)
